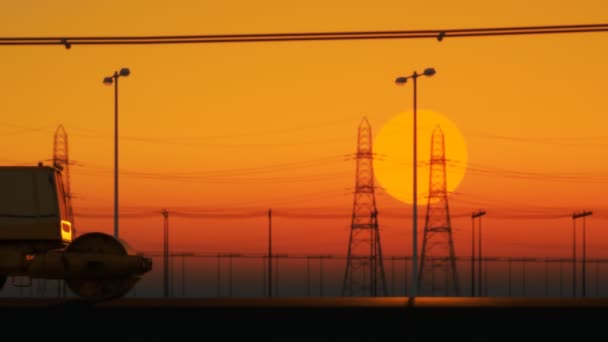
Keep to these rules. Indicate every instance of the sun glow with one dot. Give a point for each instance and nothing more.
(393, 146)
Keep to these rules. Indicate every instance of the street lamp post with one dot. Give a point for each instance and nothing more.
(475, 215)
(108, 81)
(576, 216)
(400, 81)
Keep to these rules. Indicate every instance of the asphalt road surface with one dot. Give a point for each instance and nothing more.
(304, 319)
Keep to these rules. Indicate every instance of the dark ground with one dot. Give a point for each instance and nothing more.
(304, 319)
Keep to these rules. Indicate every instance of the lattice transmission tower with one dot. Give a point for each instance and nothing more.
(438, 274)
(61, 161)
(364, 274)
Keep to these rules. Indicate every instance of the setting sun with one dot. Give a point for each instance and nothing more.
(393, 144)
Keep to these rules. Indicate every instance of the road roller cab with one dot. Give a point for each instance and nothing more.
(33, 207)
(37, 239)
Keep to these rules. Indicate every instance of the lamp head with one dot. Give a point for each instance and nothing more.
(108, 80)
(124, 72)
(429, 72)
(400, 80)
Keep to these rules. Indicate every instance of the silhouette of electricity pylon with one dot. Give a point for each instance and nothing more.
(364, 274)
(62, 162)
(437, 244)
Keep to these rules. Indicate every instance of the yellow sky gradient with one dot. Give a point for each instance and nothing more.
(259, 125)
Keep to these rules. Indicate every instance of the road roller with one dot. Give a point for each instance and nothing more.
(37, 240)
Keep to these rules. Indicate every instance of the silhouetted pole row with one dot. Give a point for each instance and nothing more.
(516, 277)
(475, 215)
(520, 275)
(576, 216)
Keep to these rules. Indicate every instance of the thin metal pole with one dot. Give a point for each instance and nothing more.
(561, 277)
(414, 289)
(116, 155)
(597, 278)
(473, 257)
(183, 275)
(165, 214)
(432, 279)
(393, 275)
(584, 285)
(575, 216)
(485, 277)
(269, 252)
(523, 280)
(405, 276)
(373, 278)
(230, 275)
(573, 257)
(546, 278)
(447, 283)
(171, 274)
(321, 276)
(264, 287)
(510, 292)
(276, 278)
(219, 290)
(480, 260)
(308, 276)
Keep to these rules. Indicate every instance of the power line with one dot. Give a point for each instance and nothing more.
(207, 140)
(439, 34)
(265, 169)
(492, 171)
(232, 179)
(502, 213)
(541, 139)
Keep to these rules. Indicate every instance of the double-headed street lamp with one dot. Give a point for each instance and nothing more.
(400, 81)
(108, 81)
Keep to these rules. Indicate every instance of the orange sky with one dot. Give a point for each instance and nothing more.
(247, 126)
